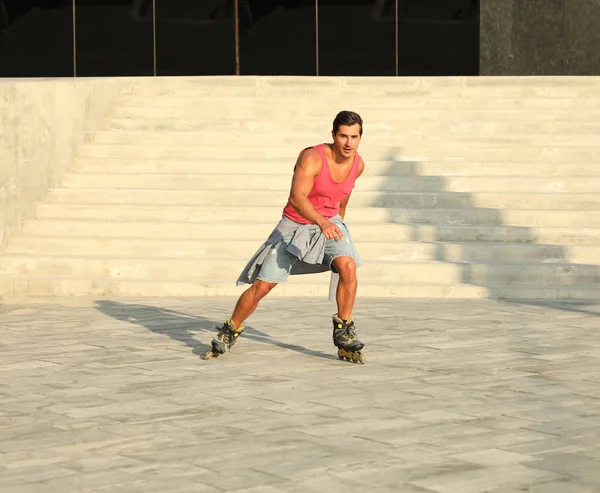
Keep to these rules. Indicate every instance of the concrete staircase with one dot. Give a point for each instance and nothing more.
(474, 187)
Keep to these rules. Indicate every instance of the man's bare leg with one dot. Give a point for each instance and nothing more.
(347, 286)
(344, 333)
(249, 300)
(246, 304)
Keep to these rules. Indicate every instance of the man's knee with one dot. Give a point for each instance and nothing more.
(261, 289)
(345, 267)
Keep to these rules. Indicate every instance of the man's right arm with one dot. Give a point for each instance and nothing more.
(306, 170)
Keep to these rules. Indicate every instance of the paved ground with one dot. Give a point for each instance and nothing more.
(456, 397)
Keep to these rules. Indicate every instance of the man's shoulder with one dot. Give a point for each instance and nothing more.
(309, 158)
(361, 165)
(310, 153)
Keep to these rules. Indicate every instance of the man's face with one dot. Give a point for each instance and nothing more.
(345, 142)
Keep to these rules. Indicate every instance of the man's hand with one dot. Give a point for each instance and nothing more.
(331, 231)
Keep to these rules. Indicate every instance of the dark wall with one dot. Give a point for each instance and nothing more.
(540, 37)
(278, 37)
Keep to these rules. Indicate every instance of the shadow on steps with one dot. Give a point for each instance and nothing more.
(503, 258)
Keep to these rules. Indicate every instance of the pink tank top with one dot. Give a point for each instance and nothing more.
(326, 194)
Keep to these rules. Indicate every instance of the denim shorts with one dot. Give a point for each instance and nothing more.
(277, 266)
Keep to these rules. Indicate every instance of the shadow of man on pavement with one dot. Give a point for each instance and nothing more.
(184, 327)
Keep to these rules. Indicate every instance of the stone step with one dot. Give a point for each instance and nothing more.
(214, 268)
(478, 216)
(259, 231)
(301, 141)
(364, 102)
(318, 86)
(373, 215)
(392, 90)
(374, 168)
(482, 125)
(195, 249)
(322, 82)
(42, 286)
(530, 274)
(295, 111)
(108, 196)
(243, 249)
(372, 272)
(49, 286)
(383, 184)
(423, 152)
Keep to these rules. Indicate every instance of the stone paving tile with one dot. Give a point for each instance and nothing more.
(485, 479)
(493, 457)
(552, 487)
(460, 397)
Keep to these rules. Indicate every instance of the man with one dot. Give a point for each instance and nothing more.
(311, 237)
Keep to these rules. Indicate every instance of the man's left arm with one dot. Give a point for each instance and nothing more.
(344, 202)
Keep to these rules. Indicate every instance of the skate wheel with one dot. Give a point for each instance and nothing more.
(351, 357)
(211, 354)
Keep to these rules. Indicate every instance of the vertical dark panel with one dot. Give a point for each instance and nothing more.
(277, 37)
(195, 37)
(496, 54)
(438, 37)
(357, 38)
(36, 38)
(114, 37)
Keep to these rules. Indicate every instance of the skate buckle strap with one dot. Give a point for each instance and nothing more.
(228, 333)
(350, 330)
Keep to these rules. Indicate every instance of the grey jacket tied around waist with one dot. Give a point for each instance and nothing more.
(308, 245)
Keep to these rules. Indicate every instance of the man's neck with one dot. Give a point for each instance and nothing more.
(340, 160)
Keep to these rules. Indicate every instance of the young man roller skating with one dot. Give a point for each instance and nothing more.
(311, 237)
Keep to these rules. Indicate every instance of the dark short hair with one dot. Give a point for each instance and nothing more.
(348, 118)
